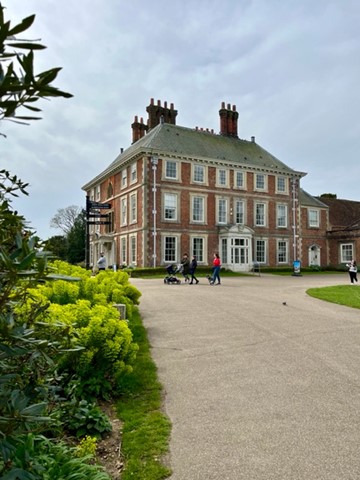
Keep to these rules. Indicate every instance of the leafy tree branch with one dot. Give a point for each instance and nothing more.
(20, 87)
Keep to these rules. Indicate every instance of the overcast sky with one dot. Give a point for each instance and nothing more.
(292, 68)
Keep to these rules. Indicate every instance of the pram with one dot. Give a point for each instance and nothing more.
(171, 277)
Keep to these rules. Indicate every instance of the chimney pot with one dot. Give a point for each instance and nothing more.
(229, 106)
(223, 105)
(151, 101)
(253, 139)
(159, 103)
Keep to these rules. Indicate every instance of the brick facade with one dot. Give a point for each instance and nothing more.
(213, 193)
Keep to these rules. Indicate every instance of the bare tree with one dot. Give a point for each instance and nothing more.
(65, 218)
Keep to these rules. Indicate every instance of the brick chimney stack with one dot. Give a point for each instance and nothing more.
(138, 128)
(155, 112)
(223, 120)
(228, 120)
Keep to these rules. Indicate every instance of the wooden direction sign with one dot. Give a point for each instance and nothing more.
(98, 205)
(98, 215)
(98, 222)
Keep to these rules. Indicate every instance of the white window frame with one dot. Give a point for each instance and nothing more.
(222, 177)
(223, 202)
(343, 254)
(164, 236)
(241, 186)
(123, 250)
(313, 223)
(123, 211)
(282, 218)
(194, 178)
(133, 173)
(97, 193)
(167, 164)
(264, 185)
(202, 255)
(193, 198)
(265, 244)
(133, 249)
(133, 208)
(166, 195)
(237, 212)
(124, 178)
(284, 190)
(264, 214)
(224, 250)
(278, 251)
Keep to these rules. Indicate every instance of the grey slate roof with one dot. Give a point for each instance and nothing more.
(166, 139)
(308, 200)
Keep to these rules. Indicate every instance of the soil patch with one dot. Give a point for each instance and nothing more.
(108, 450)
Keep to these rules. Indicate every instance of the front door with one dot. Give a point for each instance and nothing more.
(235, 247)
(239, 254)
(314, 255)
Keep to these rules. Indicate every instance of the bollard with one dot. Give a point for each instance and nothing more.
(121, 308)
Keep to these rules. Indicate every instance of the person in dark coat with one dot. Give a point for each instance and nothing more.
(185, 262)
(192, 270)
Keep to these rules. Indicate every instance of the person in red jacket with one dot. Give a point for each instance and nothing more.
(216, 270)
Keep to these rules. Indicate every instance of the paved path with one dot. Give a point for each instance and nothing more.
(257, 390)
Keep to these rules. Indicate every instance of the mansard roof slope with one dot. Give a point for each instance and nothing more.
(167, 140)
(343, 213)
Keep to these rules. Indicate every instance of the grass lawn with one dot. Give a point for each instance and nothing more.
(348, 295)
(146, 430)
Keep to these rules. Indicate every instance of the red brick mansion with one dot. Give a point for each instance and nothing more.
(179, 190)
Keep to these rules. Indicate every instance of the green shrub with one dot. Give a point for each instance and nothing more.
(37, 458)
(84, 418)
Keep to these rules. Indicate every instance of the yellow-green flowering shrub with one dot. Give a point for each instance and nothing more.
(106, 287)
(97, 345)
(87, 446)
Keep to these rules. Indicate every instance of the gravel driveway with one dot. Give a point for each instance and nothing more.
(261, 381)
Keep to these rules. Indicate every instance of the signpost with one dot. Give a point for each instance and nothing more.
(97, 205)
(99, 222)
(93, 217)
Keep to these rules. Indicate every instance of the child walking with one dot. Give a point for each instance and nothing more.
(192, 269)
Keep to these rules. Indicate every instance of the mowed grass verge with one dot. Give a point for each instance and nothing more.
(146, 430)
(348, 295)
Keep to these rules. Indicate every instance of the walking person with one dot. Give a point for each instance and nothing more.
(185, 262)
(192, 269)
(215, 280)
(101, 263)
(352, 271)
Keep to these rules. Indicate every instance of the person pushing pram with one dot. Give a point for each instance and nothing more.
(185, 262)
